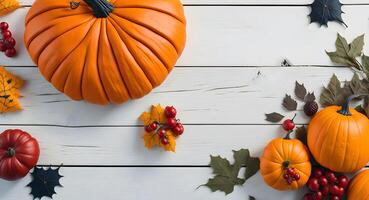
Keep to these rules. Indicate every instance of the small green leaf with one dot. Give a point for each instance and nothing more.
(252, 167)
(341, 45)
(365, 63)
(221, 183)
(289, 103)
(274, 117)
(356, 85)
(300, 90)
(241, 157)
(356, 47)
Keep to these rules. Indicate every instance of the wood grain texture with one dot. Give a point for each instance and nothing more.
(245, 36)
(123, 146)
(202, 95)
(244, 2)
(141, 184)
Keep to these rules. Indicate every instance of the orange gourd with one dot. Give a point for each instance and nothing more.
(338, 138)
(105, 52)
(283, 153)
(359, 187)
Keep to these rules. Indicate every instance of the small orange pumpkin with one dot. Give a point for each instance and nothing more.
(359, 187)
(281, 154)
(105, 51)
(338, 138)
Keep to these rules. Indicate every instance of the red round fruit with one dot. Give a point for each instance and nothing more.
(10, 42)
(308, 196)
(170, 112)
(162, 133)
(313, 184)
(171, 122)
(4, 26)
(10, 52)
(2, 46)
(343, 181)
(288, 125)
(323, 181)
(318, 196)
(164, 141)
(286, 176)
(296, 176)
(148, 129)
(178, 129)
(334, 197)
(338, 191)
(317, 173)
(331, 177)
(325, 190)
(290, 171)
(153, 126)
(6, 34)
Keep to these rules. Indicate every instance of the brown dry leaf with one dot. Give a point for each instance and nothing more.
(8, 6)
(9, 91)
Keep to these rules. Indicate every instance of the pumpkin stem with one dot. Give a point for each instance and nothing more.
(345, 109)
(286, 164)
(10, 152)
(101, 8)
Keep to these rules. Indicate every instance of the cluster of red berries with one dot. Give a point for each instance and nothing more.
(291, 175)
(7, 42)
(325, 184)
(172, 124)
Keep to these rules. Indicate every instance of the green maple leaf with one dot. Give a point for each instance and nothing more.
(226, 174)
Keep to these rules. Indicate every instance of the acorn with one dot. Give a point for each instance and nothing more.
(310, 108)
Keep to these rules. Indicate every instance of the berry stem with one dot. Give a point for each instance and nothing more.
(288, 135)
(345, 109)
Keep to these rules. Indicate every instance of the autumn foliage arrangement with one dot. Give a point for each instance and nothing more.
(162, 127)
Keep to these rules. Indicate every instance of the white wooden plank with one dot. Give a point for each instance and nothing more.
(245, 2)
(239, 36)
(124, 146)
(143, 183)
(202, 96)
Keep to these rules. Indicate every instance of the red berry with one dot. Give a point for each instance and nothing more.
(331, 177)
(148, 129)
(325, 190)
(153, 126)
(313, 184)
(2, 46)
(308, 196)
(162, 133)
(11, 52)
(289, 181)
(334, 197)
(10, 42)
(323, 181)
(288, 125)
(286, 176)
(343, 181)
(6, 34)
(296, 176)
(170, 112)
(317, 173)
(318, 196)
(178, 129)
(290, 171)
(4, 26)
(338, 191)
(164, 141)
(171, 122)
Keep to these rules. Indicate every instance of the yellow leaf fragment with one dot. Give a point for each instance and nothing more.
(9, 91)
(171, 146)
(8, 6)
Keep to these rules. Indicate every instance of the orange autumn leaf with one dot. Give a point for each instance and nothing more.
(152, 139)
(7, 6)
(9, 91)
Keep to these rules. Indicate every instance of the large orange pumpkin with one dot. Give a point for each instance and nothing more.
(359, 187)
(338, 139)
(105, 52)
(281, 154)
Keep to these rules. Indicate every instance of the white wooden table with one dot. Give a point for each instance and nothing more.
(229, 76)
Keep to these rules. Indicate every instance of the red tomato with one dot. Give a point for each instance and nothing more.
(19, 153)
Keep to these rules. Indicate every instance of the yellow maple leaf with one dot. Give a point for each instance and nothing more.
(156, 114)
(151, 140)
(8, 6)
(9, 91)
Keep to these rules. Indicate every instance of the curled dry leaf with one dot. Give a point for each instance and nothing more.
(289, 103)
(274, 117)
(9, 91)
(310, 97)
(300, 90)
(151, 139)
(8, 6)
